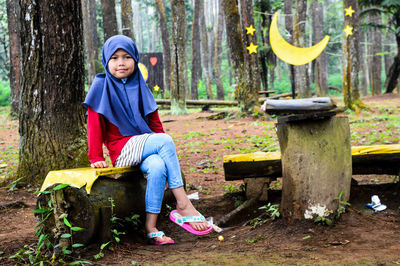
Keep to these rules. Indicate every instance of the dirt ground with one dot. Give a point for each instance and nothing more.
(359, 237)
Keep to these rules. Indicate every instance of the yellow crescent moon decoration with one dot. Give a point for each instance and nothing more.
(143, 70)
(292, 54)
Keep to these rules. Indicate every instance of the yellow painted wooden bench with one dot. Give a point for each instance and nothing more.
(374, 159)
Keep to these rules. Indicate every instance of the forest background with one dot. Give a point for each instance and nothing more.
(378, 45)
(58, 59)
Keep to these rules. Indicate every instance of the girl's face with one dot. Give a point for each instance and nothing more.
(121, 65)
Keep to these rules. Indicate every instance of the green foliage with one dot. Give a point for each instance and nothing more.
(101, 254)
(272, 210)
(44, 251)
(323, 221)
(4, 93)
(341, 205)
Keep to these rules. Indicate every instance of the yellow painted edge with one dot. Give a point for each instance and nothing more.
(80, 177)
(267, 156)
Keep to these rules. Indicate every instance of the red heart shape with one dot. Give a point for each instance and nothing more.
(153, 61)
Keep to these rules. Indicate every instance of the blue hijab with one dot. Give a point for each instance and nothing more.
(124, 103)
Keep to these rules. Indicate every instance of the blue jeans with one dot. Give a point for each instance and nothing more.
(160, 163)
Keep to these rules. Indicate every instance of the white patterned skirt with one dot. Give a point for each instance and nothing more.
(131, 153)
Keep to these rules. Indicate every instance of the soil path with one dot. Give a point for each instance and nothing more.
(359, 237)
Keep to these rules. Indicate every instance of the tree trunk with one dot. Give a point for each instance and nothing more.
(251, 60)
(321, 62)
(205, 51)
(387, 59)
(90, 50)
(165, 43)
(302, 79)
(351, 60)
(289, 28)
(51, 120)
(236, 48)
(363, 65)
(110, 25)
(316, 167)
(376, 58)
(196, 51)
(248, 95)
(93, 28)
(266, 56)
(139, 25)
(218, 52)
(394, 70)
(178, 58)
(93, 211)
(13, 16)
(126, 19)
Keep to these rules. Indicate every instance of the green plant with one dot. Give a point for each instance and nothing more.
(341, 205)
(115, 223)
(101, 254)
(43, 252)
(323, 220)
(72, 229)
(272, 210)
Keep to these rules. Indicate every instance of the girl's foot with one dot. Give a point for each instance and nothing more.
(159, 239)
(186, 208)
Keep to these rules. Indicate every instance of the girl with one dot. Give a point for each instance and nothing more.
(122, 114)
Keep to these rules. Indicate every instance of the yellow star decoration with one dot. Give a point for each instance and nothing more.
(348, 30)
(252, 48)
(349, 11)
(156, 88)
(250, 30)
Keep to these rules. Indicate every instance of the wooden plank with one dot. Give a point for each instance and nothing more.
(374, 159)
(298, 105)
(272, 91)
(307, 116)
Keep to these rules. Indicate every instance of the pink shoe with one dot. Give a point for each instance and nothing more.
(151, 237)
(183, 221)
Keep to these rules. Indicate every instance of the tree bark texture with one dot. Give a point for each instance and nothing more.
(165, 42)
(302, 79)
(249, 93)
(236, 53)
(218, 52)
(351, 59)
(316, 167)
(364, 80)
(51, 120)
(205, 52)
(126, 19)
(110, 25)
(288, 7)
(87, 32)
(394, 70)
(376, 58)
(266, 56)
(196, 51)
(321, 62)
(87, 210)
(387, 59)
(178, 57)
(13, 16)
(93, 28)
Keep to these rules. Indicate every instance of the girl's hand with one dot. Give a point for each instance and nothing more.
(99, 164)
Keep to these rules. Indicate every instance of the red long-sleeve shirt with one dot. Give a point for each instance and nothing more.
(100, 131)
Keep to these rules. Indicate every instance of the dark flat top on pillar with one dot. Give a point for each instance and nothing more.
(316, 115)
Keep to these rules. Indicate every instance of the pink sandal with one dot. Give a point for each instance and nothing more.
(151, 237)
(183, 221)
